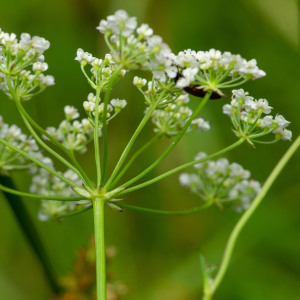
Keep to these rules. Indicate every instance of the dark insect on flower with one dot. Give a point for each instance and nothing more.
(193, 90)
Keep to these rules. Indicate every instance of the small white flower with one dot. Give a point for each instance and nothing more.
(103, 26)
(40, 44)
(188, 76)
(201, 124)
(84, 57)
(97, 62)
(227, 109)
(199, 155)
(144, 31)
(281, 121)
(186, 59)
(71, 112)
(40, 66)
(91, 97)
(118, 23)
(89, 106)
(139, 82)
(263, 104)
(282, 133)
(118, 103)
(46, 80)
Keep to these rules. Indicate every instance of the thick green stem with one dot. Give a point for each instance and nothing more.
(30, 232)
(99, 205)
(207, 297)
(249, 212)
(173, 144)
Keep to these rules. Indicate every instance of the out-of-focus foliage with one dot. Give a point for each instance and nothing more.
(80, 284)
(158, 256)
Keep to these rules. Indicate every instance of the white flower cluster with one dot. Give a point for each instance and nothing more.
(246, 115)
(46, 184)
(213, 70)
(115, 106)
(137, 48)
(9, 159)
(101, 69)
(221, 183)
(16, 57)
(166, 91)
(172, 118)
(71, 133)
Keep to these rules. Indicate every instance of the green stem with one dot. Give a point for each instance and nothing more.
(104, 128)
(134, 157)
(37, 162)
(96, 137)
(173, 144)
(98, 205)
(75, 213)
(37, 138)
(165, 212)
(224, 76)
(31, 233)
(29, 195)
(177, 169)
(55, 142)
(87, 77)
(249, 212)
(51, 151)
(207, 297)
(133, 138)
(225, 85)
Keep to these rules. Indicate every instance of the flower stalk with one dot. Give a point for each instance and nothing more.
(98, 208)
(247, 215)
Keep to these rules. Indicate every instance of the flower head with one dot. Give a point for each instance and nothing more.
(9, 160)
(171, 119)
(137, 48)
(251, 119)
(45, 184)
(113, 109)
(213, 70)
(72, 133)
(17, 57)
(221, 183)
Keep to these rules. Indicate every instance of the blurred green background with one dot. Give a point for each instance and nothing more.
(158, 256)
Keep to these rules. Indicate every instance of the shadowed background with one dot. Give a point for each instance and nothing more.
(159, 256)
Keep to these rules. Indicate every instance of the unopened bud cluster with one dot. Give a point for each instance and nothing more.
(221, 183)
(251, 119)
(22, 63)
(71, 133)
(9, 159)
